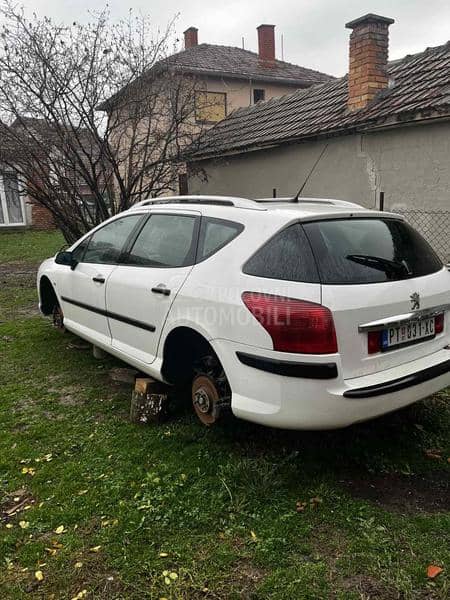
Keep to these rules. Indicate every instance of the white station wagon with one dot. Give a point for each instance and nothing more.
(302, 314)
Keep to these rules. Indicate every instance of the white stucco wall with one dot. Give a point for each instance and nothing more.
(240, 92)
(410, 164)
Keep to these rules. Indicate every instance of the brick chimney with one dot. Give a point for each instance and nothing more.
(266, 43)
(190, 37)
(369, 45)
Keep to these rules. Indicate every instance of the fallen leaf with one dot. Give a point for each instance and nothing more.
(315, 502)
(433, 571)
(94, 549)
(51, 551)
(28, 471)
(78, 565)
(434, 453)
(80, 595)
(163, 554)
(253, 534)
(60, 529)
(300, 506)
(9, 525)
(173, 576)
(39, 575)
(24, 524)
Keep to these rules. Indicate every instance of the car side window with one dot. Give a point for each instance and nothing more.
(165, 241)
(105, 245)
(287, 256)
(215, 234)
(78, 252)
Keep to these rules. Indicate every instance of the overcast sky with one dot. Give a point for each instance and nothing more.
(313, 30)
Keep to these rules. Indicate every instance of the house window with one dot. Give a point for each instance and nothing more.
(258, 95)
(210, 107)
(11, 205)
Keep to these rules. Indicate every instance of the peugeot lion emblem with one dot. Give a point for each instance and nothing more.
(415, 301)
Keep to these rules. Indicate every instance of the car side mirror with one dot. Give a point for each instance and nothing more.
(66, 258)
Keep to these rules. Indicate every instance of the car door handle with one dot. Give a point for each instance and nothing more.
(161, 290)
(98, 279)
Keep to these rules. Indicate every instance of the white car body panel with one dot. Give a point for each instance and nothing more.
(78, 286)
(207, 298)
(128, 292)
(350, 305)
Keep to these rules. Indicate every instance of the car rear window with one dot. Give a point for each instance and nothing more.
(371, 250)
(286, 256)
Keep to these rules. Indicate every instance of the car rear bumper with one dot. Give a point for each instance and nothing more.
(262, 391)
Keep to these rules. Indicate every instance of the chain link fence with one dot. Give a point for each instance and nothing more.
(434, 225)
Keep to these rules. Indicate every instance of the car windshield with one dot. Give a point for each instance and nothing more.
(369, 250)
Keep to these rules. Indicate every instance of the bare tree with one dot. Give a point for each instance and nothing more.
(94, 117)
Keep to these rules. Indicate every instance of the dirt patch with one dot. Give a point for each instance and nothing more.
(18, 274)
(244, 577)
(15, 503)
(70, 396)
(18, 268)
(369, 588)
(29, 311)
(428, 493)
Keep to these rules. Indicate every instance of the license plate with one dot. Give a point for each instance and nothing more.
(408, 333)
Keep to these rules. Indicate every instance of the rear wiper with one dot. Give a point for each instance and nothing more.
(381, 264)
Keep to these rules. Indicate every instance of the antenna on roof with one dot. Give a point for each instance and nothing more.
(282, 47)
(297, 195)
(243, 45)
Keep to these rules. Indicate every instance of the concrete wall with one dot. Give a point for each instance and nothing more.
(410, 164)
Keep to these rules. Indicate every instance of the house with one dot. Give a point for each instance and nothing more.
(380, 136)
(23, 166)
(226, 78)
(14, 212)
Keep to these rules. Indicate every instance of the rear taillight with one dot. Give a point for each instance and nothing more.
(439, 323)
(294, 325)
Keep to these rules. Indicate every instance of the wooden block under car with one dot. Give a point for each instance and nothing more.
(149, 401)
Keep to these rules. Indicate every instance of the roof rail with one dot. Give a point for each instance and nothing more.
(304, 200)
(210, 200)
(291, 200)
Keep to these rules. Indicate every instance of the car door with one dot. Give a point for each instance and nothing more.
(82, 289)
(144, 287)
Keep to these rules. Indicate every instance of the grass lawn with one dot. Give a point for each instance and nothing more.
(93, 506)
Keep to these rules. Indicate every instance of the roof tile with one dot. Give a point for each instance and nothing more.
(421, 84)
(237, 62)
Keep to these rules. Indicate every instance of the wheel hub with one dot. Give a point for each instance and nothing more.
(202, 401)
(205, 398)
